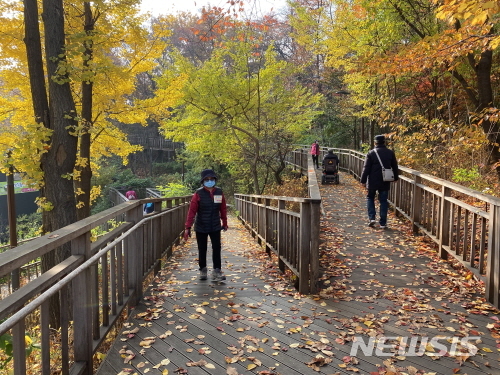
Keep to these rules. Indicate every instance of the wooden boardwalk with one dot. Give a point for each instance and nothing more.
(375, 284)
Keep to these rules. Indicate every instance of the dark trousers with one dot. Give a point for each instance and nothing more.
(315, 160)
(202, 240)
(384, 205)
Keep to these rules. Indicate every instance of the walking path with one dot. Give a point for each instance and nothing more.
(376, 283)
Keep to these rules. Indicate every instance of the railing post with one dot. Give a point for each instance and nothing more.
(315, 230)
(167, 228)
(266, 223)
(258, 219)
(19, 347)
(157, 238)
(492, 271)
(256, 212)
(395, 196)
(349, 158)
(281, 235)
(444, 230)
(304, 247)
(82, 306)
(416, 204)
(135, 256)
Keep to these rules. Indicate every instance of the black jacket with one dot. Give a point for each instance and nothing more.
(372, 170)
(208, 218)
(331, 156)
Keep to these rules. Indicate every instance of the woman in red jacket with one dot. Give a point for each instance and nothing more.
(208, 212)
(315, 153)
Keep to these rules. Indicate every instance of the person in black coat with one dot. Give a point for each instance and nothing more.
(331, 156)
(372, 179)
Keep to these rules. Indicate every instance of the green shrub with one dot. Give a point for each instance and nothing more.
(470, 177)
(27, 226)
(174, 190)
(365, 147)
(6, 349)
(465, 175)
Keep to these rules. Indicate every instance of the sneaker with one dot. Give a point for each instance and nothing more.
(372, 223)
(203, 273)
(383, 227)
(217, 275)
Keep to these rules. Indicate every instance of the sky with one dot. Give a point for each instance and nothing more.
(157, 7)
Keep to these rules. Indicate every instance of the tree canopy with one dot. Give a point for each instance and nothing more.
(423, 72)
(243, 107)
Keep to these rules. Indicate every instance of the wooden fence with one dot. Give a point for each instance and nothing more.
(463, 223)
(292, 235)
(104, 277)
(153, 193)
(156, 143)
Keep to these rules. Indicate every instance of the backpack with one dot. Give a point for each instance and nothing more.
(149, 207)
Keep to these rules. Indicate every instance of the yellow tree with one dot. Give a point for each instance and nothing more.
(67, 82)
(105, 48)
(108, 51)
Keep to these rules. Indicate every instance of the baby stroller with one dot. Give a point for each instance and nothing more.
(330, 172)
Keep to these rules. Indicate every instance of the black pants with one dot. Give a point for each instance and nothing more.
(202, 240)
(315, 160)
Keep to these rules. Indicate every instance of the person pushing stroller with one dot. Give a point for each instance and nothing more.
(330, 164)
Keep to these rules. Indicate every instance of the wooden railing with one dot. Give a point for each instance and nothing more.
(156, 143)
(116, 196)
(104, 277)
(291, 234)
(153, 193)
(463, 223)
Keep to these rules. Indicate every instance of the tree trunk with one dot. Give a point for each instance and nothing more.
(59, 162)
(363, 139)
(485, 96)
(83, 182)
(36, 72)
(372, 133)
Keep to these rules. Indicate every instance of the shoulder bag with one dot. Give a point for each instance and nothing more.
(387, 173)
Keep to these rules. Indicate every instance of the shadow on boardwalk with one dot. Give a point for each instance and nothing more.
(376, 284)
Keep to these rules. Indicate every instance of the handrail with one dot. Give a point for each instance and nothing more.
(107, 276)
(463, 223)
(153, 193)
(293, 236)
(116, 197)
(7, 246)
(157, 143)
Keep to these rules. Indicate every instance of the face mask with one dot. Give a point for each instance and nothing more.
(209, 183)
